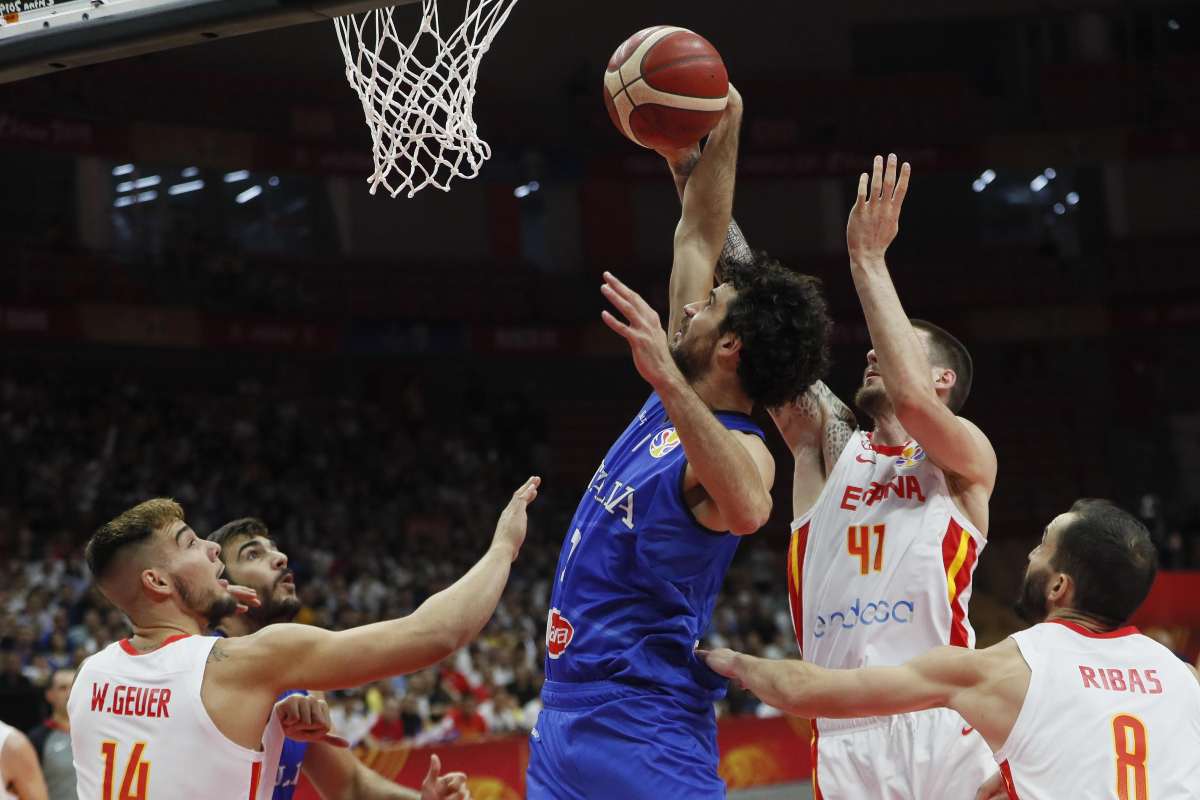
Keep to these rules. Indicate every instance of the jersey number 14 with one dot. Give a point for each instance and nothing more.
(136, 775)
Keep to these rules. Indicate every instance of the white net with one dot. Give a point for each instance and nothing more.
(417, 92)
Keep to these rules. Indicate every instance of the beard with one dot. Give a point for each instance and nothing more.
(873, 401)
(693, 358)
(220, 605)
(274, 609)
(1031, 605)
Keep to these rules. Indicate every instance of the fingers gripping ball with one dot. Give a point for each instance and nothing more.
(665, 87)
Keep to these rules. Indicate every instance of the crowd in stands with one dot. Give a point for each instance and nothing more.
(377, 503)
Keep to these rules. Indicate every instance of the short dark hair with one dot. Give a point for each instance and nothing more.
(948, 351)
(129, 528)
(1108, 553)
(244, 528)
(783, 322)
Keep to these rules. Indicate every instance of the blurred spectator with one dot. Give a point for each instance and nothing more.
(468, 723)
(52, 739)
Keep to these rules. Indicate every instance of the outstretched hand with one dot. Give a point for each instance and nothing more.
(451, 786)
(722, 661)
(514, 521)
(875, 218)
(245, 596)
(644, 332)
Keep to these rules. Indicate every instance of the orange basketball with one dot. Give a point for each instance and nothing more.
(665, 87)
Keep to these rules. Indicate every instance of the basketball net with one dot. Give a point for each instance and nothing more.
(418, 107)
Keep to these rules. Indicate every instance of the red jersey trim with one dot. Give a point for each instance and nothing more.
(816, 782)
(1009, 786)
(1128, 630)
(795, 573)
(959, 553)
(887, 449)
(131, 650)
(255, 778)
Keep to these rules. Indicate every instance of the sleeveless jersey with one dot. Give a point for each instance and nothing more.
(879, 570)
(283, 758)
(638, 576)
(1107, 716)
(140, 729)
(5, 732)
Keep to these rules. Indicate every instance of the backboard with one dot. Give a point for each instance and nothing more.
(43, 36)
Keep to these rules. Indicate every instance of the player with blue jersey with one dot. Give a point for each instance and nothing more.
(253, 559)
(628, 708)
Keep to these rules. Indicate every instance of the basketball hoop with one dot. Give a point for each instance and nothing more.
(418, 107)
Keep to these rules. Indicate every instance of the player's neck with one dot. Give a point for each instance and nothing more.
(721, 397)
(61, 719)
(151, 634)
(889, 432)
(238, 626)
(1082, 620)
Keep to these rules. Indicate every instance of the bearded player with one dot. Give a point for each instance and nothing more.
(1079, 705)
(888, 527)
(253, 559)
(889, 524)
(628, 709)
(170, 712)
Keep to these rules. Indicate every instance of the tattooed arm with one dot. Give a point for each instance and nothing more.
(816, 426)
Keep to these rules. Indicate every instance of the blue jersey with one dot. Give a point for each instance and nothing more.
(291, 758)
(638, 576)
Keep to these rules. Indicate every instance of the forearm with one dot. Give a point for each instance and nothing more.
(708, 191)
(720, 463)
(370, 785)
(902, 360)
(806, 690)
(736, 249)
(465, 607)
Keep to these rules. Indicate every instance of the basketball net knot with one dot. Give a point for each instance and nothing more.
(418, 92)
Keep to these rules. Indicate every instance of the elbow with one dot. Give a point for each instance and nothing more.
(750, 519)
(914, 405)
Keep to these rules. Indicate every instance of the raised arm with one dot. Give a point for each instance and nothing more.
(707, 211)
(986, 687)
(816, 427)
(954, 444)
(735, 469)
(285, 656)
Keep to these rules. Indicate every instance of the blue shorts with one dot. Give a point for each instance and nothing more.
(607, 741)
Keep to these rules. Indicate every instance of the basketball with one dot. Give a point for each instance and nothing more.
(665, 87)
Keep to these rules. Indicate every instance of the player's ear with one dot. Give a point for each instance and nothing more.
(1060, 591)
(944, 378)
(156, 583)
(729, 344)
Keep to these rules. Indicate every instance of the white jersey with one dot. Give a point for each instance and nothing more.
(879, 569)
(1107, 716)
(5, 732)
(139, 728)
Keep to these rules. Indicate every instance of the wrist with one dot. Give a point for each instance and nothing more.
(505, 550)
(672, 384)
(868, 262)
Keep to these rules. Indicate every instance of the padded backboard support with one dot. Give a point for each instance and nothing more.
(42, 36)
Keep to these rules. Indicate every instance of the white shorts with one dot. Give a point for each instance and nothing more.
(924, 755)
